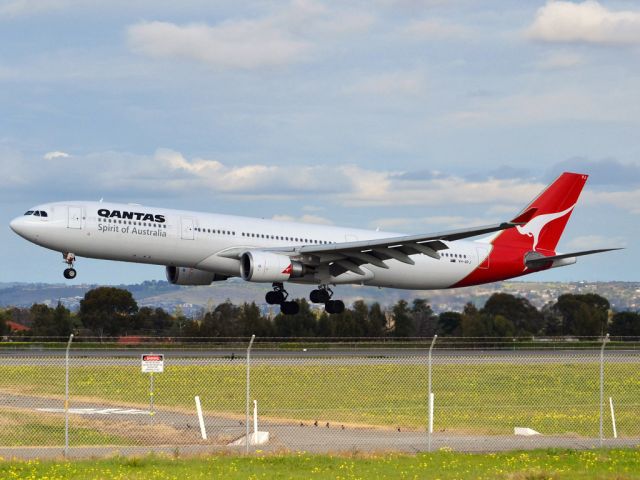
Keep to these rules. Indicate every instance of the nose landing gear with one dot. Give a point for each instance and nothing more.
(69, 273)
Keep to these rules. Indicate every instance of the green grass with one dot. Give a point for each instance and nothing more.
(24, 428)
(553, 398)
(619, 464)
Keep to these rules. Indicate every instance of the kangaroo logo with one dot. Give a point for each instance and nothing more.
(536, 224)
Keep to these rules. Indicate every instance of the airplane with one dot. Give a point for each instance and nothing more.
(201, 248)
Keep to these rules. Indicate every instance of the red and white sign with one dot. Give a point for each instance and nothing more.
(152, 362)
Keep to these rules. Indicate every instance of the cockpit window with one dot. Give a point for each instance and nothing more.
(36, 213)
(43, 213)
(30, 212)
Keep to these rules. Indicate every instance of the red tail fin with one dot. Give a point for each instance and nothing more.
(546, 216)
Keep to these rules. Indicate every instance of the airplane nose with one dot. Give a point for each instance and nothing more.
(17, 224)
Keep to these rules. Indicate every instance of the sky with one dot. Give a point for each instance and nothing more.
(412, 116)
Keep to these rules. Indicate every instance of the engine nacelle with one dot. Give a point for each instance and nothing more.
(192, 276)
(259, 266)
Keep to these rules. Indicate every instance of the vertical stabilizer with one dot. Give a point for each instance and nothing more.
(546, 216)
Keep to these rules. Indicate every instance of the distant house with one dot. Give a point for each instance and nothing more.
(16, 327)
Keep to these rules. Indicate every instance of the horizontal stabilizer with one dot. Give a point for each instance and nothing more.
(541, 261)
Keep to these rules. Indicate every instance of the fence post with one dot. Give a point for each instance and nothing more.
(604, 342)
(246, 438)
(430, 423)
(66, 397)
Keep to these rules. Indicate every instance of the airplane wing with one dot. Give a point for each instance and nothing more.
(349, 256)
(542, 261)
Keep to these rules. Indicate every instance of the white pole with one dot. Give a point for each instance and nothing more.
(66, 397)
(431, 413)
(255, 417)
(253, 337)
(430, 397)
(203, 431)
(613, 419)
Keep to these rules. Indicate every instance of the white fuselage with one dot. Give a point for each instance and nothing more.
(199, 240)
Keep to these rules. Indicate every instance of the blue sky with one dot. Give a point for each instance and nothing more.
(409, 115)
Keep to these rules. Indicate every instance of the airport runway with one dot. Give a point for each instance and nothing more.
(128, 357)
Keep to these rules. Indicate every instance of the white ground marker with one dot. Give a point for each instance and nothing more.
(431, 413)
(613, 419)
(203, 431)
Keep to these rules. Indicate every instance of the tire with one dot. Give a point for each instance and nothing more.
(334, 306)
(328, 307)
(314, 296)
(338, 306)
(69, 273)
(274, 297)
(289, 308)
(270, 298)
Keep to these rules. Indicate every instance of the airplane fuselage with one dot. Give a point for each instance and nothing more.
(135, 233)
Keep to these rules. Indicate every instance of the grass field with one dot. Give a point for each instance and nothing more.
(534, 465)
(553, 398)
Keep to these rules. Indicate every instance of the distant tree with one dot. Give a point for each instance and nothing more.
(223, 321)
(526, 318)
(353, 322)
(403, 320)
(582, 315)
(253, 322)
(625, 324)
(155, 321)
(552, 320)
(450, 324)
(325, 326)
(501, 326)
(302, 324)
(52, 322)
(107, 310)
(377, 325)
(424, 319)
(474, 323)
(5, 316)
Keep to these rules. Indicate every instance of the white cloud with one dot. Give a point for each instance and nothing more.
(287, 36)
(393, 190)
(19, 8)
(393, 83)
(244, 44)
(588, 22)
(55, 154)
(560, 60)
(314, 219)
(626, 200)
(589, 242)
(170, 173)
(436, 29)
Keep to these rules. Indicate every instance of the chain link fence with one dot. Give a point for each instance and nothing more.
(321, 396)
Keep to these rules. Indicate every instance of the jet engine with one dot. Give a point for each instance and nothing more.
(192, 276)
(259, 266)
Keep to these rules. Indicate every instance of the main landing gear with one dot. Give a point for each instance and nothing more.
(278, 296)
(323, 294)
(69, 273)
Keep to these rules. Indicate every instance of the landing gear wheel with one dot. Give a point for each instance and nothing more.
(321, 295)
(70, 273)
(289, 308)
(334, 306)
(274, 298)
